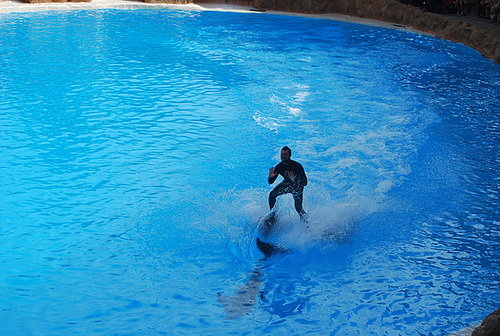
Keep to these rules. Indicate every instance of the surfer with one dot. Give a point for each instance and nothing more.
(294, 181)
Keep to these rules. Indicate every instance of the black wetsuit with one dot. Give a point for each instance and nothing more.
(288, 186)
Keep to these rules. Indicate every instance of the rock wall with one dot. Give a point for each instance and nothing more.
(487, 42)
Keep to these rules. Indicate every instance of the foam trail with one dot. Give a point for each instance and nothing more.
(330, 220)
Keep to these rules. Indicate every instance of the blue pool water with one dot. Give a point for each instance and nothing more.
(135, 152)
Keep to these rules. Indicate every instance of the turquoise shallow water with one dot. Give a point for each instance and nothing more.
(135, 149)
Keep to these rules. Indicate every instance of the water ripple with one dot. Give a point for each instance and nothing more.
(134, 170)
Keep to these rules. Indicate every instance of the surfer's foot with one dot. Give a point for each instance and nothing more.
(272, 216)
(303, 217)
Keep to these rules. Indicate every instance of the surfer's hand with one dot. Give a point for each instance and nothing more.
(271, 172)
(292, 175)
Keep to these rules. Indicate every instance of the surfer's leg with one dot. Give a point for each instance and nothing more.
(298, 204)
(298, 196)
(272, 198)
(277, 191)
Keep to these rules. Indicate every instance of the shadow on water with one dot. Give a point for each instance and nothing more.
(274, 297)
(244, 298)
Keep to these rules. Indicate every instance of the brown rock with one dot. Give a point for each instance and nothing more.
(490, 325)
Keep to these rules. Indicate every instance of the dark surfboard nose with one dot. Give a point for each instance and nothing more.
(269, 249)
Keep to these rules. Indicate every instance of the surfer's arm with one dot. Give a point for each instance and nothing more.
(299, 177)
(272, 175)
(302, 175)
(304, 178)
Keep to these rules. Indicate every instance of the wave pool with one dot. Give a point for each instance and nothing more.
(135, 152)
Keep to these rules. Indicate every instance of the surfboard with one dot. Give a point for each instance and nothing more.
(269, 249)
(264, 238)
